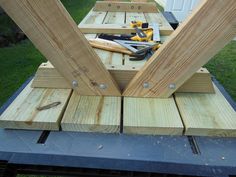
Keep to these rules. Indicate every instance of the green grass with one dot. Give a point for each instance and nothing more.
(223, 67)
(20, 61)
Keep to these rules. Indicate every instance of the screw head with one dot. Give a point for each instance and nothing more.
(102, 86)
(146, 85)
(75, 84)
(172, 86)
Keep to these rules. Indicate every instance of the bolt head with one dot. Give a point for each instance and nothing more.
(172, 86)
(102, 86)
(146, 85)
(74, 83)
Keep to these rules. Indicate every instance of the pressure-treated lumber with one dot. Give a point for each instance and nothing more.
(206, 114)
(23, 112)
(208, 30)
(200, 82)
(118, 29)
(151, 116)
(47, 77)
(98, 18)
(95, 18)
(92, 114)
(165, 27)
(111, 58)
(125, 7)
(52, 30)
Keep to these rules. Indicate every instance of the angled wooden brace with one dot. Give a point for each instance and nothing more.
(192, 45)
(51, 29)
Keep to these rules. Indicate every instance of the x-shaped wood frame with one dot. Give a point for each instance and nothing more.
(50, 27)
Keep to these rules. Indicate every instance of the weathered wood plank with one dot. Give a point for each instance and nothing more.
(52, 30)
(194, 43)
(151, 116)
(206, 114)
(125, 7)
(92, 114)
(48, 77)
(23, 113)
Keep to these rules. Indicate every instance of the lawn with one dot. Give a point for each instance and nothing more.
(20, 61)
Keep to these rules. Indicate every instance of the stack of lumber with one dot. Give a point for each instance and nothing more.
(50, 102)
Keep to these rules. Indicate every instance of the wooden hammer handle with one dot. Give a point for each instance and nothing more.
(109, 46)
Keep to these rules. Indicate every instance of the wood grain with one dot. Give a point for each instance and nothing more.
(151, 116)
(165, 28)
(118, 29)
(93, 18)
(125, 7)
(50, 27)
(112, 58)
(95, 114)
(92, 114)
(207, 114)
(47, 77)
(192, 45)
(23, 113)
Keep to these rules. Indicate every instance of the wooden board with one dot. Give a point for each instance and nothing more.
(48, 77)
(151, 116)
(192, 45)
(95, 18)
(125, 7)
(92, 114)
(118, 29)
(23, 113)
(165, 28)
(207, 114)
(113, 58)
(200, 82)
(95, 114)
(52, 30)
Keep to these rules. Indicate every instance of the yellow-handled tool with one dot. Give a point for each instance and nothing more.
(145, 33)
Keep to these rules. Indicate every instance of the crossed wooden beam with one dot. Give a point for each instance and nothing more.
(52, 30)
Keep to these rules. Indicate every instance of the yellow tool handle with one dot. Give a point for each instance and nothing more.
(148, 38)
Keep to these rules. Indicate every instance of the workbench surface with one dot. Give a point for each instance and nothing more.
(184, 155)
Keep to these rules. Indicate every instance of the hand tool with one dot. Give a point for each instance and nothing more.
(141, 50)
(109, 46)
(115, 37)
(115, 47)
(138, 47)
(152, 32)
(137, 25)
